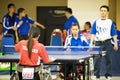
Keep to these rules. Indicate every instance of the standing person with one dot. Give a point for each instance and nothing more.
(86, 31)
(23, 24)
(31, 51)
(9, 20)
(70, 20)
(102, 31)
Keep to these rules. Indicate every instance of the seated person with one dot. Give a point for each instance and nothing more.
(86, 31)
(75, 39)
(31, 51)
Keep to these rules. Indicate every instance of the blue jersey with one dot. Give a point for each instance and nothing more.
(118, 37)
(25, 27)
(80, 41)
(71, 20)
(7, 23)
(118, 34)
(103, 29)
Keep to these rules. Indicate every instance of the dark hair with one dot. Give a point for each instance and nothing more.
(105, 6)
(76, 24)
(69, 10)
(10, 5)
(88, 23)
(20, 10)
(34, 33)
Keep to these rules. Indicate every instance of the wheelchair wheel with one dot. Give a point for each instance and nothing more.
(45, 77)
(13, 76)
(48, 77)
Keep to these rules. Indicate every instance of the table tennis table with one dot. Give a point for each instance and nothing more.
(62, 54)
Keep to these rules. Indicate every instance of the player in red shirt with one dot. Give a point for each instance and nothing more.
(31, 51)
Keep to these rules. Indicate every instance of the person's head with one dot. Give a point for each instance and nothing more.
(87, 25)
(75, 29)
(104, 10)
(68, 12)
(21, 12)
(11, 8)
(34, 34)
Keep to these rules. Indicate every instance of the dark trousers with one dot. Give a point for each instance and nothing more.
(105, 46)
(69, 68)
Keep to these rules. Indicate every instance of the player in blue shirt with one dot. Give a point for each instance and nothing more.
(75, 39)
(23, 24)
(70, 20)
(102, 31)
(9, 20)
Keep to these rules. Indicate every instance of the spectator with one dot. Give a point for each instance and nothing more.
(70, 20)
(86, 31)
(9, 20)
(23, 24)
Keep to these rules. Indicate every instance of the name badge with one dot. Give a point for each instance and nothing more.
(28, 73)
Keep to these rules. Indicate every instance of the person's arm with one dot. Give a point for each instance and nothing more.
(115, 43)
(92, 34)
(92, 38)
(67, 25)
(16, 35)
(6, 26)
(114, 35)
(68, 41)
(40, 25)
(43, 54)
(35, 22)
(18, 46)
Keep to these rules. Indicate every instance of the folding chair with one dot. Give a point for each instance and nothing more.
(56, 38)
(7, 43)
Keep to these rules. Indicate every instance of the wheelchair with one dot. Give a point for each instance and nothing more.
(41, 72)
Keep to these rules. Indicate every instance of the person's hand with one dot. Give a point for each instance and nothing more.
(115, 47)
(17, 40)
(52, 59)
(42, 26)
(14, 28)
(68, 49)
(91, 46)
(21, 22)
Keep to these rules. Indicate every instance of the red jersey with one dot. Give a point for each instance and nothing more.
(38, 52)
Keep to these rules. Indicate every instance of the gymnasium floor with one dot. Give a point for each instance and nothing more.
(7, 77)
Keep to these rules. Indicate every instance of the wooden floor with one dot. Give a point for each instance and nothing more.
(7, 77)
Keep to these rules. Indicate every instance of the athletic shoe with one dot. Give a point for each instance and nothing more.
(94, 78)
(109, 78)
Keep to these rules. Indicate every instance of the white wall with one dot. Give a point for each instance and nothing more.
(86, 10)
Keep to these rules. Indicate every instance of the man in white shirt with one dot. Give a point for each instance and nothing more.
(102, 31)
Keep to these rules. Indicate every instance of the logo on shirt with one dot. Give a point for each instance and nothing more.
(26, 49)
